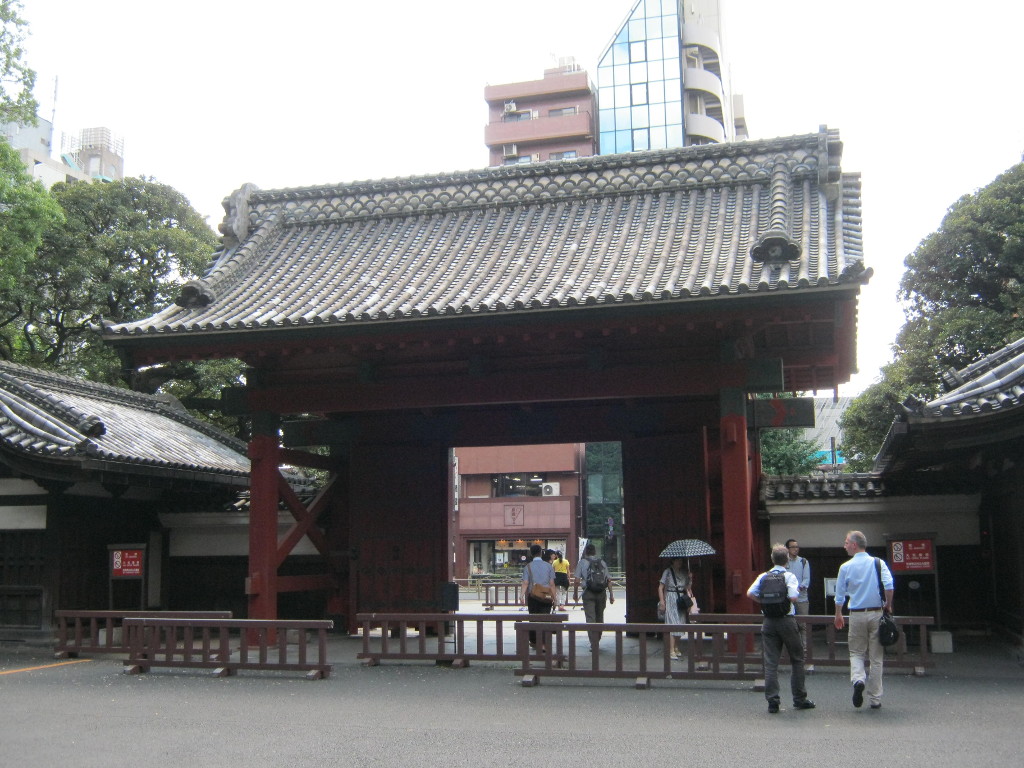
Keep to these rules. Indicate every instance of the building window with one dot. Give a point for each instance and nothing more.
(562, 112)
(515, 117)
(521, 484)
(519, 160)
(569, 154)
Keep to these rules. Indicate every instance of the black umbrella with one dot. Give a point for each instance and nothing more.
(687, 548)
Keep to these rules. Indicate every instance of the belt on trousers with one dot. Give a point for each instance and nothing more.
(862, 610)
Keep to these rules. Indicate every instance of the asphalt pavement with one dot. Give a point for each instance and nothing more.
(966, 711)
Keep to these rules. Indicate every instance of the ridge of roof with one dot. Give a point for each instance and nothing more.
(827, 486)
(594, 175)
(994, 382)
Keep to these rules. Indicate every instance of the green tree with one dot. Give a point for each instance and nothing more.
(26, 211)
(121, 254)
(787, 452)
(17, 79)
(964, 294)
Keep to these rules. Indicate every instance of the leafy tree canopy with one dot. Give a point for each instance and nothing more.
(17, 79)
(26, 211)
(964, 292)
(787, 452)
(121, 254)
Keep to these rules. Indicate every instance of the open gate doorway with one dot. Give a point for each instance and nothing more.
(506, 498)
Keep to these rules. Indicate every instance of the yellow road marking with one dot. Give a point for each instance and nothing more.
(44, 666)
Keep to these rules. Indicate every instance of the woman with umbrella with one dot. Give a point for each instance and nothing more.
(675, 590)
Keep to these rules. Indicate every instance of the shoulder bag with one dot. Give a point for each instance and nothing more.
(683, 600)
(539, 592)
(888, 630)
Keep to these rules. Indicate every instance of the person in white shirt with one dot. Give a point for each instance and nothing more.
(778, 631)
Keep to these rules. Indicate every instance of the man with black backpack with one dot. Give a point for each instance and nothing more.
(592, 577)
(777, 591)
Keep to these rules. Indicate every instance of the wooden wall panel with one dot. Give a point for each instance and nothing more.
(666, 498)
(398, 519)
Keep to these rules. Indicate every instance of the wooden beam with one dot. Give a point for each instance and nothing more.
(503, 388)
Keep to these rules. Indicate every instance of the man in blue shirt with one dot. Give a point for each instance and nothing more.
(858, 582)
(779, 631)
(800, 568)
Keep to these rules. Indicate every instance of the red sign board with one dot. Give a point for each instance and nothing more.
(912, 555)
(126, 563)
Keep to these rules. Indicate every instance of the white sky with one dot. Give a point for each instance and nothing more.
(211, 94)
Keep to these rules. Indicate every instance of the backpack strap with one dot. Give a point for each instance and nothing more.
(878, 571)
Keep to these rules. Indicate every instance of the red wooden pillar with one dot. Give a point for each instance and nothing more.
(736, 495)
(261, 586)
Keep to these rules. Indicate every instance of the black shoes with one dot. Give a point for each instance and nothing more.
(877, 706)
(807, 704)
(858, 693)
(773, 707)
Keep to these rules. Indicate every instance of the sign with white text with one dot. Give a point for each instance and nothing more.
(916, 555)
(127, 563)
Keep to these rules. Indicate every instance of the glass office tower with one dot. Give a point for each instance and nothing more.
(660, 80)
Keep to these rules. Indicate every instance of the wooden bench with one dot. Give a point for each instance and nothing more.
(227, 645)
(102, 632)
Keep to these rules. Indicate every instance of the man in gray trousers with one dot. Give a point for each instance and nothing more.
(780, 629)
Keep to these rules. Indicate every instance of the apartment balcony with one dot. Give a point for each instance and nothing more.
(703, 80)
(579, 125)
(705, 127)
(705, 37)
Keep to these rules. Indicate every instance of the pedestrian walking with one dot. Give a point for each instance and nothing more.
(777, 591)
(865, 583)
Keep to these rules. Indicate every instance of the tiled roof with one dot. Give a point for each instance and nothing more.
(57, 418)
(839, 486)
(980, 412)
(830, 486)
(727, 220)
(993, 383)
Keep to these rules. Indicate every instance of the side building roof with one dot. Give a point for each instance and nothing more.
(983, 408)
(63, 428)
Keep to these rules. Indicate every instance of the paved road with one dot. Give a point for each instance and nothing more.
(968, 711)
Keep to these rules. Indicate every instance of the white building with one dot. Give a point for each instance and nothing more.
(94, 154)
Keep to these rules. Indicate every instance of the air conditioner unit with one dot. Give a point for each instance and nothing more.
(510, 106)
(509, 150)
(551, 489)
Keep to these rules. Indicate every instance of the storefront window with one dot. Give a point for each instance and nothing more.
(517, 485)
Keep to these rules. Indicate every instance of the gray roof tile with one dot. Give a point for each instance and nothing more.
(993, 383)
(609, 230)
(48, 416)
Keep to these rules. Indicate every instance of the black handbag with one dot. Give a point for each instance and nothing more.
(683, 601)
(888, 629)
